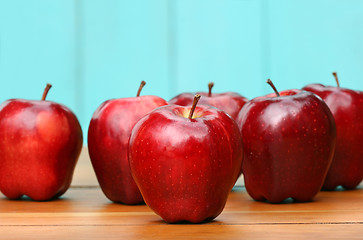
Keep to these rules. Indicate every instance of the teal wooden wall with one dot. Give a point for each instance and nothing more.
(94, 50)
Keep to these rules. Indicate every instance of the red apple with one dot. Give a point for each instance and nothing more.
(185, 161)
(108, 137)
(230, 102)
(40, 142)
(347, 108)
(288, 141)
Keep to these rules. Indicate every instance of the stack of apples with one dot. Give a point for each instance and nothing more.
(297, 142)
(183, 157)
(179, 155)
(181, 160)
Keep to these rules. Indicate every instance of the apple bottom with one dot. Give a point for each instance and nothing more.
(38, 170)
(38, 186)
(36, 196)
(274, 180)
(346, 169)
(301, 193)
(184, 192)
(113, 173)
(351, 183)
(342, 172)
(188, 213)
(124, 192)
(190, 210)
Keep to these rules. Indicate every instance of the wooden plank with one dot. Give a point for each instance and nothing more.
(88, 206)
(84, 212)
(162, 231)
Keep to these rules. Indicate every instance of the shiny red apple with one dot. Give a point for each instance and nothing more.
(230, 102)
(288, 141)
(108, 137)
(40, 142)
(347, 108)
(185, 161)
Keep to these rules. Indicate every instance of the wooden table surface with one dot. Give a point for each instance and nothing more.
(83, 212)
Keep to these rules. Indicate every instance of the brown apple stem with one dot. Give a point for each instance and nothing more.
(195, 101)
(273, 87)
(142, 84)
(210, 86)
(46, 90)
(336, 78)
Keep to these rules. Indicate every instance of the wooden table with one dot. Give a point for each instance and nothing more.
(84, 213)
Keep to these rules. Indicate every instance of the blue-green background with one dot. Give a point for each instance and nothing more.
(94, 50)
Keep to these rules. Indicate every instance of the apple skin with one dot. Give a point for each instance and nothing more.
(185, 168)
(108, 136)
(40, 142)
(230, 102)
(346, 106)
(288, 143)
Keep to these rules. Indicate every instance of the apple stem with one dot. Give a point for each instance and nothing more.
(46, 90)
(210, 86)
(273, 87)
(142, 84)
(195, 101)
(336, 78)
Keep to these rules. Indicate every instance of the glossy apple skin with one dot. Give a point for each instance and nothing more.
(40, 142)
(108, 136)
(288, 143)
(185, 168)
(347, 108)
(230, 102)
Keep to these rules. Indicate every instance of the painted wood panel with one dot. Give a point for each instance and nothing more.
(123, 43)
(37, 45)
(218, 41)
(310, 39)
(94, 50)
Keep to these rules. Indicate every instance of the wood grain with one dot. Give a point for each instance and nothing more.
(85, 213)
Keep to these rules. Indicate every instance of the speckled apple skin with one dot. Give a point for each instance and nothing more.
(108, 135)
(40, 142)
(346, 106)
(288, 145)
(185, 168)
(230, 102)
